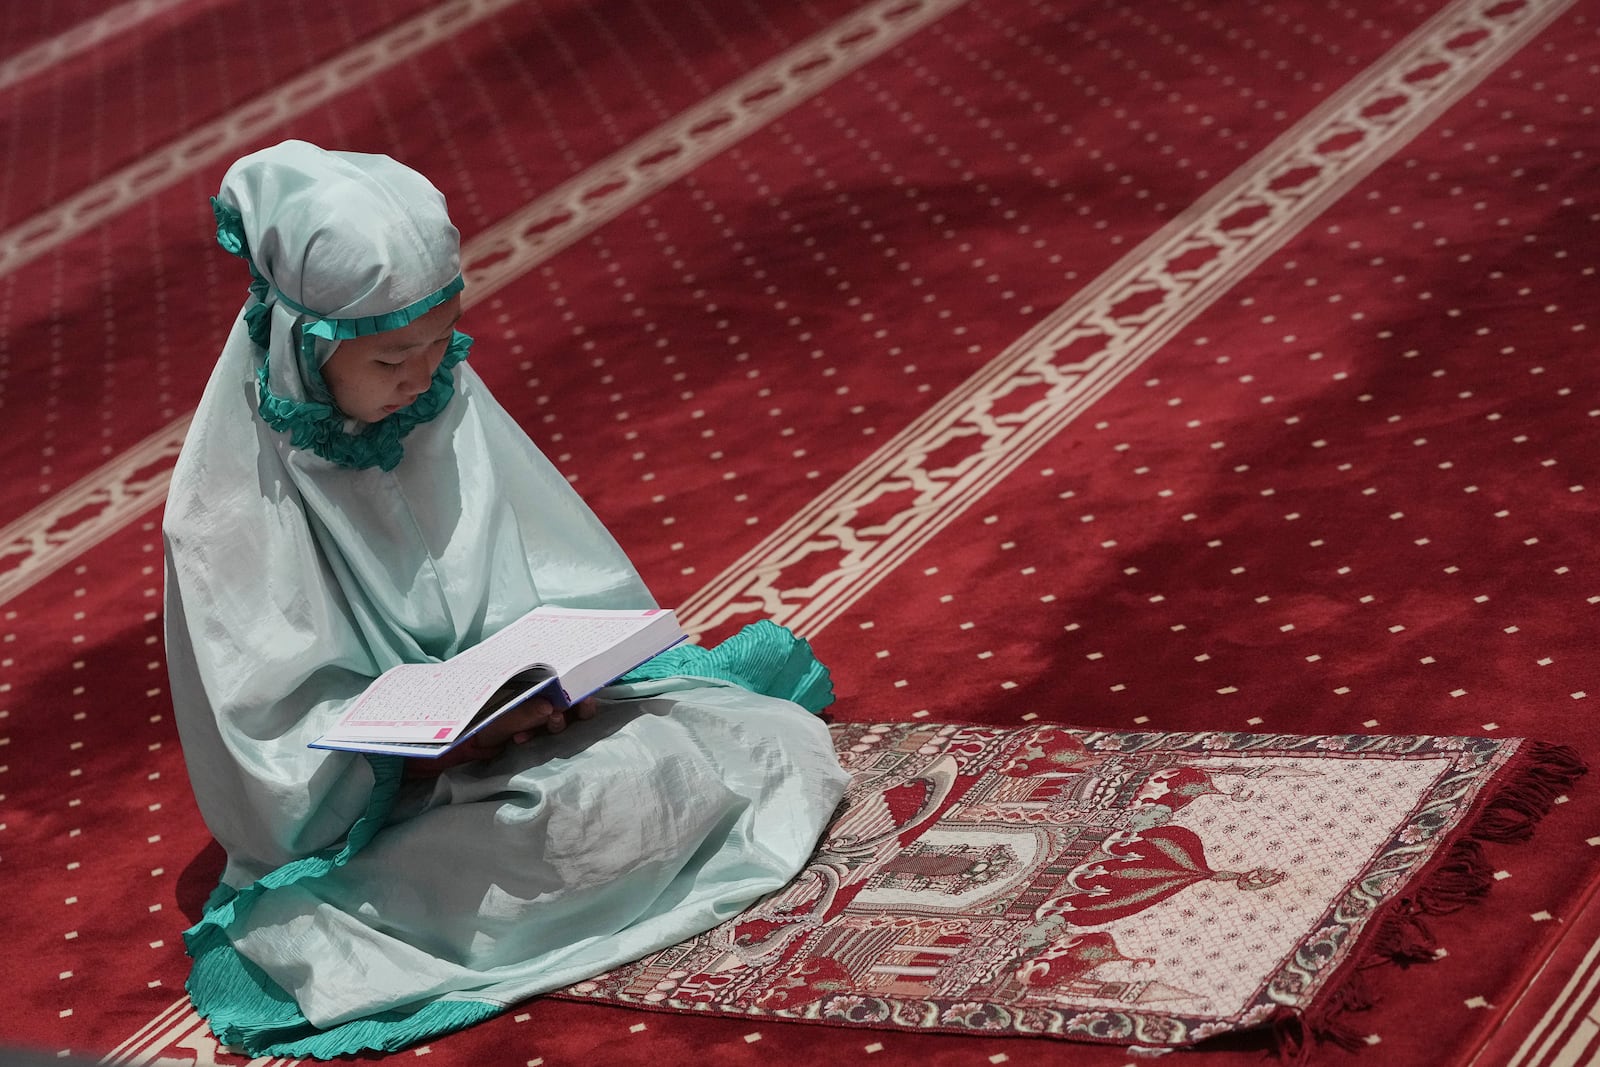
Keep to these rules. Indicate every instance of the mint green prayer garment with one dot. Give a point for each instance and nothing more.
(306, 552)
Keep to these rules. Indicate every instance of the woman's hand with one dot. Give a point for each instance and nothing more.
(522, 722)
(514, 727)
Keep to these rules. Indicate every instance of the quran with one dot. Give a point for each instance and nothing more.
(560, 654)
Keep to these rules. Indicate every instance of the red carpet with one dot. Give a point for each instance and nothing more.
(1141, 367)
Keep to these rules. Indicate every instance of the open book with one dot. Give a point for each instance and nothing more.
(560, 654)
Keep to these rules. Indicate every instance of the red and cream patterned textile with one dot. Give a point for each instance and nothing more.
(1145, 889)
(1144, 367)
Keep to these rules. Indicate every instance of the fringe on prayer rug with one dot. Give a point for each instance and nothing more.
(1149, 889)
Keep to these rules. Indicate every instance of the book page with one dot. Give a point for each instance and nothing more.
(420, 702)
(564, 637)
(434, 702)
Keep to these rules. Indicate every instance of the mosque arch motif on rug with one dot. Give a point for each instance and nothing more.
(1145, 888)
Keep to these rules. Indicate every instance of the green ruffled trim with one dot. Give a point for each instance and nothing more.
(246, 1009)
(290, 1036)
(764, 658)
(319, 427)
(344, 329)
(230, 235)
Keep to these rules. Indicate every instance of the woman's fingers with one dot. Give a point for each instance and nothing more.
(523, 719)
(522, 723)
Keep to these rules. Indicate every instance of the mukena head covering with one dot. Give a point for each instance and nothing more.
(339, 245)
(357, 911)
(306, 553)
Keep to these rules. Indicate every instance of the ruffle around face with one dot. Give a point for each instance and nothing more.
(317, 426)
(320, 428)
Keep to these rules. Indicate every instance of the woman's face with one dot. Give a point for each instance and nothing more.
(372, 377)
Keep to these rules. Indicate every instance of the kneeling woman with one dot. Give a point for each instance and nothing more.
(350, 497)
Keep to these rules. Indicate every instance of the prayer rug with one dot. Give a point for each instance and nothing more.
(1152, 889)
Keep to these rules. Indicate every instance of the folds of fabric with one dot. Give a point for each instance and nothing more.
(293, 582)
(353, 912)
(569, 855)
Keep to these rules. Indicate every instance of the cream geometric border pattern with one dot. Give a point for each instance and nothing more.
(177, 1029)
(43, 540)
(222, 137)
(673, 149)
(1112, 326)
(1570, 1025)
(80, 38)
(87, 512)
